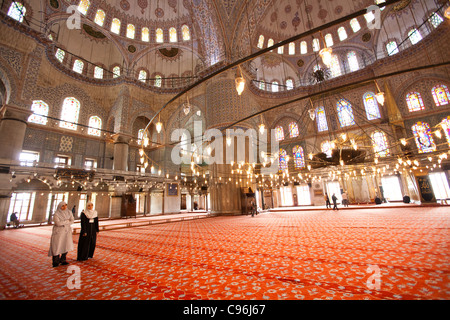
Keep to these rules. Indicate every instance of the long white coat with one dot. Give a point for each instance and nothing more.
(61, 240)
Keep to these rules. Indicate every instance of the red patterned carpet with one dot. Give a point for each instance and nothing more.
(277, 256)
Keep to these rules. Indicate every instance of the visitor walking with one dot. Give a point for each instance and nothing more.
(345, 199)
(334, 198)
(61, 240)
(88, 233)
(327, 201)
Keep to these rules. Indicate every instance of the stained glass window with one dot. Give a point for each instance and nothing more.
(280, 50)
(40, 112)
(83, 6)
(352, 61)
(17, 11)
(186, 33)
(275, 86)
(345, 113)
(354, 23)
(289, 84)
(321, 119)
(342, 33)
(445, 124)
(100, 17)
(130, 31)
(98, 72)
(391, 48)
(69, 113)
(279, 133)
(78, 66)
(270, 43)
(299, 159)
(335, 66)
(159, 35)
(414, 36)
(140, 136)
(95, 125)
(173, 35)
(303, 47)
(435, 20)
(158, 81)
(441, 95)
(414, 102)
(115, 26)
(293, 130)
(424, 140)
(116, 72)
(260, 41)
(316, 45)
(380, 144)
(371, 105)
(60, 55)
(292, 48)
(142, 76)
(326, 148)
(329, 40)
(145, 34)
(282, 160)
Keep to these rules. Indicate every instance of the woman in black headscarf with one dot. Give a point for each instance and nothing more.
(88, 233)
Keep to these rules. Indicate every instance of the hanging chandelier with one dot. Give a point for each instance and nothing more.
(240, 82)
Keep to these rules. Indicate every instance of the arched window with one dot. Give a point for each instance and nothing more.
(329, 40)
(354, 23)
(293, 130)
(98, 73)
(100, 17)
(275, 86)
(69, 114)
(83, 6)
(116, 72)
(380, 144)
(424, 140)
(115, 26)
(321, 119)
(316, 45)
(326, 148)
(345, 113)
(260, 41)
(414, 36)
(441, 95)
(414, 102)
(130, 31)
(342, 33)
(95, 125)
(270, 43)
(282, 160)
(17, 11)
(291, 48)
(303, 47)
(173, 35)
(279, 133)
(60, 54)
(391, 48)
(186, 33)
(335, 66)
(289, 84)
(78, 66)
(140, 136)
(159, 35)
(445, 124)
(142, 76)
(262, 85)
(40, 112)
(352, 61)
(371, 106)
(299, 158)
(145, 34)
(280, 50)
(158, 81)
(435, 20)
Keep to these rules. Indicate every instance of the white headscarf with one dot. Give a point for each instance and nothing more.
(90, 214)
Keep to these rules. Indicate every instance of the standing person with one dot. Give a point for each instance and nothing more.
(14, 220)
(74, 211)
(61, 240)
(345, 199)
(334, 198)
(88, 233)
(327, 200)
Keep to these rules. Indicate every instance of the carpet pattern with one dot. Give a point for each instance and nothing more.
(276, 256)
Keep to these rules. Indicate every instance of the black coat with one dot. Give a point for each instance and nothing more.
(88, 238)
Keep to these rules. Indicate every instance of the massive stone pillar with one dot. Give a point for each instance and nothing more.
(121, 146)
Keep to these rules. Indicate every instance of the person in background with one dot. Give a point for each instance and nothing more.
(88, 233)
(345, 199)
(14, 220)
(327, 200)
(334, 198)
(61, 240)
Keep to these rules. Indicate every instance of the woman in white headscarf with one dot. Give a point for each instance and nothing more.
(88, 233)
(61, 240)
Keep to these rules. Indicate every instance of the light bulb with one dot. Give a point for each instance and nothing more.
(240, 85)
(158, 126)
(262, 128)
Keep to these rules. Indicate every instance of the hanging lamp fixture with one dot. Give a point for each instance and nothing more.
(240, 82)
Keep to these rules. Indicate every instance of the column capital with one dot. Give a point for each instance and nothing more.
(122, 138)
(15, 113)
